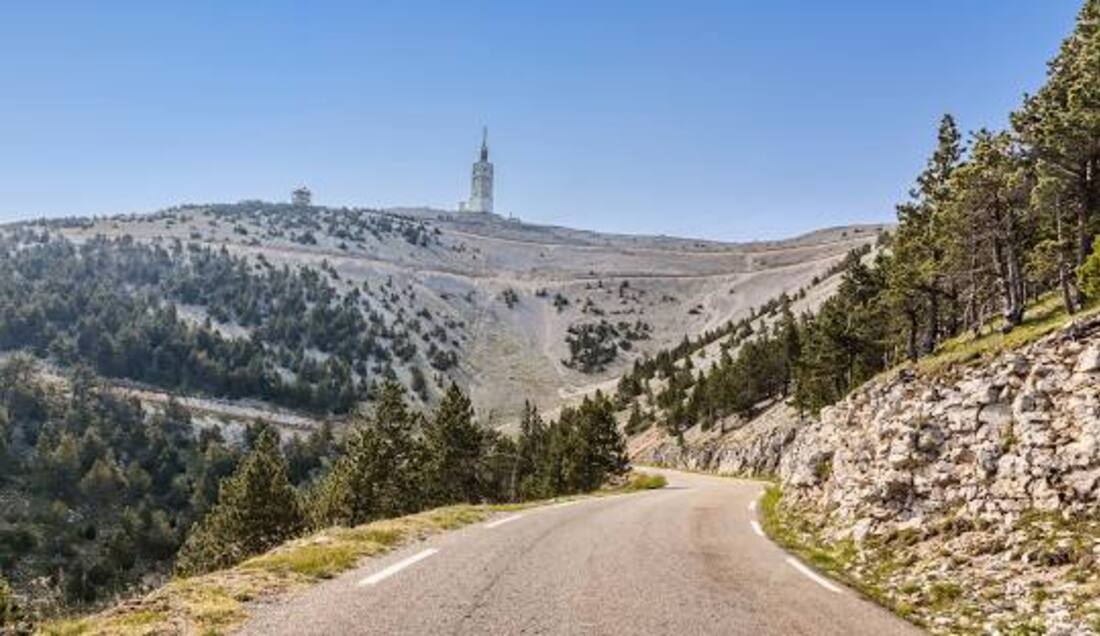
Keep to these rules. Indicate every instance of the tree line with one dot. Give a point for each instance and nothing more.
(398, 461)
(993, 223)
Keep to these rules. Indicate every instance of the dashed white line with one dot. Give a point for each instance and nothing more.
(501, 522)
(397, 567)
(814, 576)
(752, 506)
(756, 528)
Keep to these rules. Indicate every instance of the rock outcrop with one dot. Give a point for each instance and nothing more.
(982, 480)
(991, 441)
(966, 498)
(751, 449)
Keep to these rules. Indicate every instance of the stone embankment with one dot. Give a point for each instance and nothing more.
(967, 499)
(978, 483)
(752, 449)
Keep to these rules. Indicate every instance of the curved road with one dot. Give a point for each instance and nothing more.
(682, 560)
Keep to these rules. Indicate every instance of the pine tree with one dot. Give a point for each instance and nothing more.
(599, 447)
(454, 444)
(1061, 125)
(1088, 276)
(257, 509)
(791, 345)
(104, 482)
(991, 191)
(533, 454)
(635, 422)
(920, 245)
(379, 473)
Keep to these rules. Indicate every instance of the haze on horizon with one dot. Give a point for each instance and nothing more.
(730, 121)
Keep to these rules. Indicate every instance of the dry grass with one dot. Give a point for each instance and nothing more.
(645, 481)
(215, 603)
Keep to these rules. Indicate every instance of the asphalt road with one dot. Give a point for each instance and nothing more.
(683, 560)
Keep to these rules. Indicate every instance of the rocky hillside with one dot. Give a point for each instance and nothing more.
(754, 448)
(328, 301)
(967, 498)
(963, 497)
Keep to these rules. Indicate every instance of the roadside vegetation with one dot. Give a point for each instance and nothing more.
(867, 568)
(105, 494)
(217, 602)
(904, 570)
(645, 481)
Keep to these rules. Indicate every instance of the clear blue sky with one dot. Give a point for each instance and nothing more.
(739, 119)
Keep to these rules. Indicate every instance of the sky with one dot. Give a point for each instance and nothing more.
(729, 120)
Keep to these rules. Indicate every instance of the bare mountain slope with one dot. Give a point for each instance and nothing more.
(505, 297)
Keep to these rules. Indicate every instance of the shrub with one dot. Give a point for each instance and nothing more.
(646, 481)
(9, 612)
(1088, 275)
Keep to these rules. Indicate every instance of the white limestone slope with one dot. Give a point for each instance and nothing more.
(508, 355)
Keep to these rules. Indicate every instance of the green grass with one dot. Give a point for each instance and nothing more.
(214, 603)
(320, 561)
(944, 594)
(1041, 318)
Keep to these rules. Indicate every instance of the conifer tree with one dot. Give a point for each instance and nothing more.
(635, 422)
(454, 445)
(104, 482)
(257, 509)
(1088, 277)
(920, 244)
(599, 447)
(379, 473)
(991, 191)
(1061, 126)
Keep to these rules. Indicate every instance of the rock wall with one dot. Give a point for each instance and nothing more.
(992, 441)
(965, 499)
(745, 449)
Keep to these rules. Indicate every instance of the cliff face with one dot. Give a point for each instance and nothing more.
(967, 499)
(752, 449)
(1021, 433)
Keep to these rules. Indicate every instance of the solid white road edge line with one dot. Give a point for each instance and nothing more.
(501, 522)
(752, 506)
(813, 576)
(397, 567)
(756, 528)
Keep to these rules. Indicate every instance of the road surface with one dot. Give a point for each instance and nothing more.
(688, 559)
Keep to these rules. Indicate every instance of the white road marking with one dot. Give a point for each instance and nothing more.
(752, 506)
(501, 522)
(756, 528)
(814, 576)
(397, 567)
